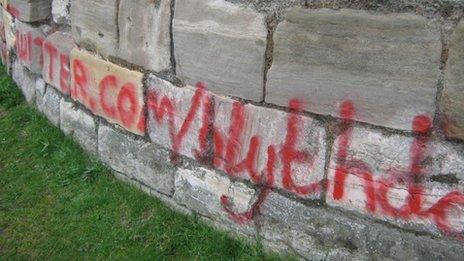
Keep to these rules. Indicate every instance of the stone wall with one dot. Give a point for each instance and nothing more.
(325, 129)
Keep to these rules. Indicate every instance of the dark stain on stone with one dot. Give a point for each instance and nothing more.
(445, 179)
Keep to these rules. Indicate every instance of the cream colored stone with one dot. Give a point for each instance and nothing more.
(108, 90)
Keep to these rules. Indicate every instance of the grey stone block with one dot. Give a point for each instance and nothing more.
(48, 103)
(388, 65)
(94, 25)
(453, 94)
(201, 190)
(61, 11)
(31, 10)
(380, 167)
(222, 45)
(80, 125)
(137, 159)
(314, 232)
(144, 33)
(25, 81)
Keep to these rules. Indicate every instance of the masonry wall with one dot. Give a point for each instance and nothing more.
(324, 129)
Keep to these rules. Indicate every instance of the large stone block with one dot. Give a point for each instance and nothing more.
(7, 27)
(79, 125)
(453, 94)
(317, 232)
(48, 102)
(108, 90)
(31, 10)
(4, 51)
(137, 159)
(29, 42)
(413, 182)
(222, 45)
(284, 150)
(201, 191)
(94, 25)
(56, 69)
(178, 117)
(61, 11)
(144, 33)
(388, 65)
(25, 81)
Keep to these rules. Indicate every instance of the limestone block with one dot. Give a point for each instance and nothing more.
(177, 117)
(413, 182)
(108, 90)
(137, 159)
(79, 125)
(453, 94)
(94, 25)
(56, 69)
(144, 33)
(284, 150)
(222, 45)
(31, 10)
(29, 40)
(48, 103)
(388, 65)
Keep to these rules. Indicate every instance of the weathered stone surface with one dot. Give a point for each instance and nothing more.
(25, 81)
(453, 94)
(388, 65)
(144, 33)
(7, 25)
(56, 50)
(40, 87)
(315, 232)
(80, 125)
(137, 159)
(201, 190)
(5, 55)
(222, 45)
(31, 10)
(48, 103)
(94, 25)
(108, 90)
(6, 37)
(403, 180)
(29, 42)
(298, 144)
(166, 121)
(61, 11)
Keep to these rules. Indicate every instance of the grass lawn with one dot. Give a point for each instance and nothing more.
(58, 203)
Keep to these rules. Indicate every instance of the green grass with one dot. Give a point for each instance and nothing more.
(58, 203)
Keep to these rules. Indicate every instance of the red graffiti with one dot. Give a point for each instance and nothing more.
(24, 46)
(290, 154)
(13, 10)
(227, 149)
(64, 73)
(108, 98)
(127, 104)
(56, 67)
(164, 108)
(377, 192)
(50, 51)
